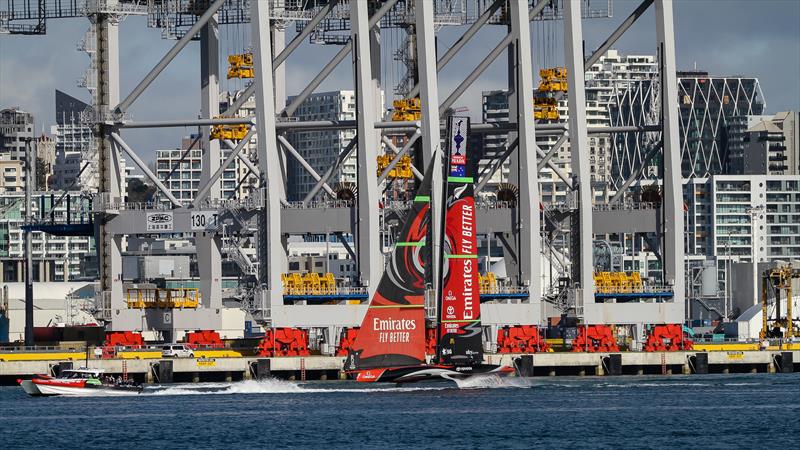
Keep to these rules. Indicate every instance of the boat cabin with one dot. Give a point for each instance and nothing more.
(82, 373)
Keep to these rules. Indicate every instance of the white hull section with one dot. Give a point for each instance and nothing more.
(30, 388)
(433, 372)
(82, 392)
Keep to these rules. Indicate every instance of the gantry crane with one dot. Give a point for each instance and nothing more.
(779, 278)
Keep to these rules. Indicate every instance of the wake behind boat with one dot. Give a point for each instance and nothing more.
(81, 383)
(390, 345)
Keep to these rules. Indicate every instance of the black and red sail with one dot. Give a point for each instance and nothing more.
(460, 332)
(392, 333)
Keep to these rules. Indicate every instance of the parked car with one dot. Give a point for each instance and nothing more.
(177, 351)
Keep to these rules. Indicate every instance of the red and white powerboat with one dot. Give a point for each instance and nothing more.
(79, 382)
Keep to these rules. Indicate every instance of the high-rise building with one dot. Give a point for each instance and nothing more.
(180, 169)
(740, 217)
(55, 258)
(73, 139)
(708, 107)
(46, 161)
(321, 148)
(732, 220)
(764, 145)
(606, 81)
(12, 175)
(707, 104)
(16, 129)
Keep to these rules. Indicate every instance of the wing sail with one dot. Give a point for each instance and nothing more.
(460, 331)
(392, 333)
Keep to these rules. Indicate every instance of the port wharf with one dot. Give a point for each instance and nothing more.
(226, 366)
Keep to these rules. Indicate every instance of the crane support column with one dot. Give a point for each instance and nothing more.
(272, 255)
(431, 141)
(527, 176)
(209, 255)
(370, 264)
(673, 191)
(107, 95)
(279, 72)
(581, 238)
(30, 177)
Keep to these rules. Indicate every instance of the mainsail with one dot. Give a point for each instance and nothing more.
(393, 331)
(459, 301)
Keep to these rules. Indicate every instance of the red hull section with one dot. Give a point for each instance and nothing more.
(57, 382)
(370, 376)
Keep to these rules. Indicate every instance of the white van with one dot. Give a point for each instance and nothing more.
(177, 351)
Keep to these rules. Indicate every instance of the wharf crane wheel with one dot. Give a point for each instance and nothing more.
(507, 192)
(346, 191)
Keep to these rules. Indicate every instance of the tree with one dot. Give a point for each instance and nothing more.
(42, 172)
(139, 192)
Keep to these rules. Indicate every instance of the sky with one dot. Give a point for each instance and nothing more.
(724, 37)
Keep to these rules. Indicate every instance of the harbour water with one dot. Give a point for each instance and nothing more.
(713, 411)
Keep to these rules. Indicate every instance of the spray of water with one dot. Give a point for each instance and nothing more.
(270, 386)
(490, 381)
(266, 386)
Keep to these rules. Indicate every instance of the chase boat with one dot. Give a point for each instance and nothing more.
(81, 382)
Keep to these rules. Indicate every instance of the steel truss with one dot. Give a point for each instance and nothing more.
(516, 225)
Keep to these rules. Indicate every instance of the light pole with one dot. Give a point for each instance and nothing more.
(754, 212)
(30, 175)
(727, 275)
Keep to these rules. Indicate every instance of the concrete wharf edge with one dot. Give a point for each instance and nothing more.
(324, 367)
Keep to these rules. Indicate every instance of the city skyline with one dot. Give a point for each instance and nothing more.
(772, 55)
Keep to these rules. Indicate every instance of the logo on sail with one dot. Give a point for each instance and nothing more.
(458, 151)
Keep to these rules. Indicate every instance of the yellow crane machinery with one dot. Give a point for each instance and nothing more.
(401, 170)
(618, 282)
(292, 284)
(240, 66)
(235, 132)
(141, 298)
(308, 284)
(553, 81)
(407, 110)
(488, 283)
(779, 278)
(545, 108)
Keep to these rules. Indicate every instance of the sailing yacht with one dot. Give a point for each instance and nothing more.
(390, 345)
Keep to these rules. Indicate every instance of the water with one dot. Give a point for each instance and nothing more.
(711, 411)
